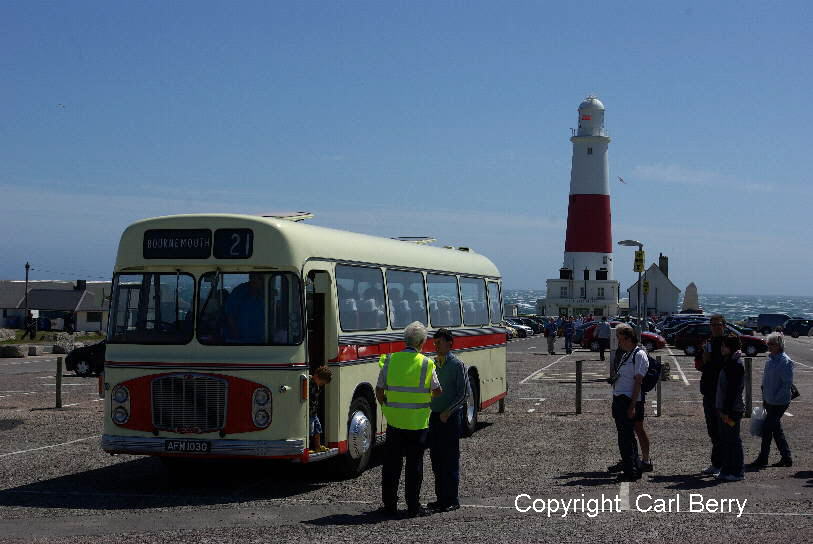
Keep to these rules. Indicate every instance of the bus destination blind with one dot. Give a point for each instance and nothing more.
(178, 244)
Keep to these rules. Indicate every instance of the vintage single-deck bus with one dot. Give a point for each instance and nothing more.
(217, 321)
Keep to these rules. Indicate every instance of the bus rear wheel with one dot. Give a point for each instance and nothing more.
(471, 405)
(360, 437)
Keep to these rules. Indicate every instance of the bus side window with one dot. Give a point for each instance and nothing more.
(364, 308)
(494, 306)
(406, 304)
(444, 300)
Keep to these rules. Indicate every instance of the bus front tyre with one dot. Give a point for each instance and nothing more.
(360, 437)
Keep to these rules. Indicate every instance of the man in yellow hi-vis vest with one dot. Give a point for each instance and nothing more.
(406, 384)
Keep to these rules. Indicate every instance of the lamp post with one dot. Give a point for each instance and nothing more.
(27, 268)
(634, 243)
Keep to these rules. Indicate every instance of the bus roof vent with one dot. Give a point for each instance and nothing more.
(290, 216)
(420, 240)
(466, 249)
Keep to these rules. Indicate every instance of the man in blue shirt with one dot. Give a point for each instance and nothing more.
(569, 329)
(245, 312)
(446, 423)
(550, 333)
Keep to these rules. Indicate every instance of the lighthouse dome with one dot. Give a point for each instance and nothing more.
(591, 103)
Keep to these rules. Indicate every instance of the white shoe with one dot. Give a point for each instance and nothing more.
(712, 470)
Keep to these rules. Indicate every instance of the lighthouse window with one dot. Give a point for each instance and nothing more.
(589, 150)
(586, 275)
(601, 274)
(563, 292)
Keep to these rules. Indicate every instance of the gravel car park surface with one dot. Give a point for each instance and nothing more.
(57, 485)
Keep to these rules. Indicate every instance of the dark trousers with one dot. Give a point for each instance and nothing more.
(603, 344)
(551, 343)
(627, 445)
(444, 451)
(31, 331)
(713, 428)
(730, 446)
(772, 430)
(568, 343)
(402, 443)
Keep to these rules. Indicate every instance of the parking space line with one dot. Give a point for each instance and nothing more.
(624, 494)
(536, 372)
(677, 364)
(48, 447)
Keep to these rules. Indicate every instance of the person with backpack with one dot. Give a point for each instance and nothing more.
(627, 378)
(647, 384)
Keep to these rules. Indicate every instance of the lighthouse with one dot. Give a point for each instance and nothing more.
(585, 284)
(589, 242)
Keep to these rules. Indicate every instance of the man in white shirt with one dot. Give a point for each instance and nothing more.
(626, 379)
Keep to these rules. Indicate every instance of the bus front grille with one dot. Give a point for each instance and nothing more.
(189, 403)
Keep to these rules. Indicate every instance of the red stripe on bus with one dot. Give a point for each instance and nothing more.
(486, 403)
(180, 364)
(588, 224)
(354, 352)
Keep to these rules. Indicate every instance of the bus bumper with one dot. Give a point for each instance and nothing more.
(217, 448)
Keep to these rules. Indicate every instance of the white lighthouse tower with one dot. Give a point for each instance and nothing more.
(585, 284)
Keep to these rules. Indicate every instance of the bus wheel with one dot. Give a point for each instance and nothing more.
(360, 436)
(470, 408)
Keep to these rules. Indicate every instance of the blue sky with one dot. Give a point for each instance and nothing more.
(399, 118)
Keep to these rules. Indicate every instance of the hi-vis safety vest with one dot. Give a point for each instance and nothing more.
(407, 385)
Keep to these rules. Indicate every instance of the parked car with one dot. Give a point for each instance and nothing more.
(693, 336)
(87, 360)
(523, 330)
(649, 340)
(742, 330)
(529, 322)
(510, 332)
(751, 322)
(798, 327)
(768, 322)
(578, 333)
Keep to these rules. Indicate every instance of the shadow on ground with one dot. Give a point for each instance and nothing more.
(8, 424)
(589, 479)
(686, 481)
(150, 483)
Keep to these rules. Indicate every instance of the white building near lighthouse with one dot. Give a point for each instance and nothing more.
(585, 284)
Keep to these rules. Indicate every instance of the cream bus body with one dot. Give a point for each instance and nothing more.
(311, 254)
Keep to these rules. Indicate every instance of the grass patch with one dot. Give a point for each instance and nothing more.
(47, 337)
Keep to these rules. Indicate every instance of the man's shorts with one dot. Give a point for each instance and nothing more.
(316, 425)
(639, 410)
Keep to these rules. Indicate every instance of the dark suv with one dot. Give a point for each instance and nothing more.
(798, 327)
(768, 322)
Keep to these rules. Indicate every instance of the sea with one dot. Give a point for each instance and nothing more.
(733, 307)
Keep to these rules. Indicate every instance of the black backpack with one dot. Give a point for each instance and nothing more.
(653, 374)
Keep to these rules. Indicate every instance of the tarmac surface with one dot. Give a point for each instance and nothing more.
(57, 485)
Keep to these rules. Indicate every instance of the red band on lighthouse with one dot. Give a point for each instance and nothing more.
(588, 224)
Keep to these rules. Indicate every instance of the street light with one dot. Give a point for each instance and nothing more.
(634, 243)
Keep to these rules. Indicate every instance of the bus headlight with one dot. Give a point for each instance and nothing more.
(120, 394)
(261, 418)
(120, 415)
(261, 396)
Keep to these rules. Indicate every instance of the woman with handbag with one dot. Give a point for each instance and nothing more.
(777, 380)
